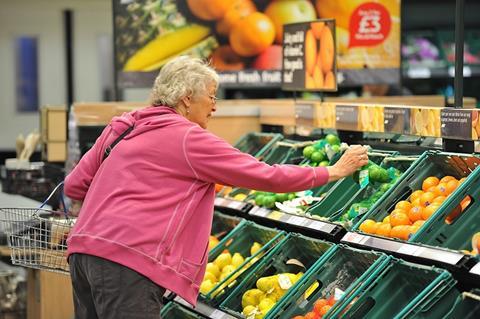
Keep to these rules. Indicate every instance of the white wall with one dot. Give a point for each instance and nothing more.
(44, 19)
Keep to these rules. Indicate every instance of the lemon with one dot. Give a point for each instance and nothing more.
(265, 305)
(228, 269)
(255, 247)
(237, 260)
(213, 269)
(223, 259)
(210, 276)
(248, 310)
(206, 286)
(240, 197)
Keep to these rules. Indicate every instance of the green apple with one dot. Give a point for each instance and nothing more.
(289, 11)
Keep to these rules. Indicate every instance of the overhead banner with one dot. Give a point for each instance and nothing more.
(243, 38)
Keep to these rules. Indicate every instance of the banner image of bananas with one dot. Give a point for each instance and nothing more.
(370, 118)
(325, 115)
(425, 121)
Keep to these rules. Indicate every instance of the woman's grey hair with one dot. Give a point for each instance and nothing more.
(181, 77)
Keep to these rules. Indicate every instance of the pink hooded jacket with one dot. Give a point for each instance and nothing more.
(149, 205)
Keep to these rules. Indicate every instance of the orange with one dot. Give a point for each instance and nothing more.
(407, 231)
(237, 10)
(419, 223)
(386, 220)
(416, 202)
(368, 226)
(327, 49)
(208, 9)
(311, 315)
(252, 34)
(317, 306)
(324, 310)
(310, 51)
(439, 200)
(429, 182)
(384, 230)
(415, 213)
(429, 211)
(218, 187)
(447, 179)
(452, 186)
(329, 82)
(317, 28)
(432, 189)
(441, 189)
(403, 204)
(399, 217)
(396, 232)
(427, 198)
(415, 195)
(414, 228)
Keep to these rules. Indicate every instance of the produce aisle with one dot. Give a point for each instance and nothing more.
(398, 239)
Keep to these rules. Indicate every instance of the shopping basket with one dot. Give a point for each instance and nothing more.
(37, 237)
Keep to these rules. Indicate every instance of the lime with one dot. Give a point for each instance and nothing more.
(318, 156)
(385, 187)
(291, 196)
(269, 201)
(336, 148)
(320, 144)
(281, 197)
(307, 151)
(332, 139)
(324, 163)
(259, 199)
(374, 173)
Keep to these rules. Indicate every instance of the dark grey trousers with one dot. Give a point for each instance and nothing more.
(107, 290)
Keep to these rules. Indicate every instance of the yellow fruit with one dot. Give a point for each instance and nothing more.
(166, 45)
(255, 247)
(213, 269)
(266, 284)
(240, 197)
(223, 259)
(237, 260)
(228, 269)
(248, 310)
(206, 286)
(252, 297)
(210, 276)
(265, 305)
(212, 242)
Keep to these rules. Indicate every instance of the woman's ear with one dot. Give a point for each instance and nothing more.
(186, 100)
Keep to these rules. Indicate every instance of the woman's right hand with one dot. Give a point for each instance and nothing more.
(353, 158)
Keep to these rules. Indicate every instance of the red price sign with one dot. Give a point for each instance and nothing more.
(370, 25)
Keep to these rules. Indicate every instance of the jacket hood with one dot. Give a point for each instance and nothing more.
(145, 119)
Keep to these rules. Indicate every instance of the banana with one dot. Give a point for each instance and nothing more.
(201, 49)
(166, 45)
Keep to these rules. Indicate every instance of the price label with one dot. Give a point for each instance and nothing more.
(397, 120)
(297, 220)
(407, 249)
(346, 117)
(261, 212)
(284, 281)
(219, 201)
(353, 238)
(305, 114)
(419, 73)
(476, 269)
(456, 123)
(236, 204)
(217, 314)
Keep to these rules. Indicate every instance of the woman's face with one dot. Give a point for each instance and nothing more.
(202, 105)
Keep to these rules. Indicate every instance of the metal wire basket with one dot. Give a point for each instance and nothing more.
(37, 237)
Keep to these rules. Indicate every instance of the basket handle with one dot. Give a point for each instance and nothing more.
(61, 197)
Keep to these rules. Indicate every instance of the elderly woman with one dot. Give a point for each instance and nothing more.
(147, 207)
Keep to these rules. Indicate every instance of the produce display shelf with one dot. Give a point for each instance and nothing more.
(205, 310)
(322, 228)
(427, 255)
(231, 204)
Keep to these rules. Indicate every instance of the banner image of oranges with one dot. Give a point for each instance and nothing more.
(320, 68)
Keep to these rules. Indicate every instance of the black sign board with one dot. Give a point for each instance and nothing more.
(346, 117)
(397, 120)
(456, 123)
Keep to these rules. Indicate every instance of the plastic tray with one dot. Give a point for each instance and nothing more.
(173, 310)
(240, 240)
(343, 192)
(345, 269)
(306, 250)
(257, 144)
(400, 290)
(436, 231)
(467, 306)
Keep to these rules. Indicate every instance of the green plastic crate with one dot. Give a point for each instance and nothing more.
(223, 224)
(257, 144)
(306, 250)
(173, 310)
(240, 240)
(467, 306)
(345, 269)
(435, 231)
(400, 290)
(340, 193)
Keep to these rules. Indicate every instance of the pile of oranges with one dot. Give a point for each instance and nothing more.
(320, 308)
(409, 215)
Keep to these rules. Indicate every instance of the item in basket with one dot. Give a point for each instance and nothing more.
(323, 151)
(268, 200)
(223, 266)
(320, 308)
(409, 215)
(212, 242)
(257, 302)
